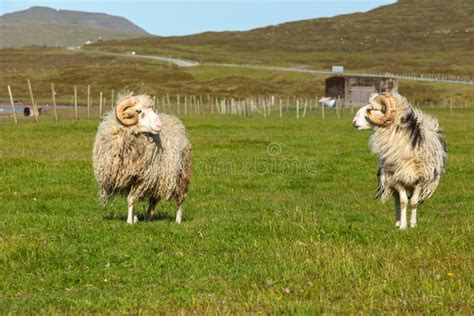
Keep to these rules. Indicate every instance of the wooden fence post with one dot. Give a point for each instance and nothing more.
(163, 104)
(281, 112)
(338, 107)
(33, 104)
(209, 104)
(88, 102)
(100, 104)
(305, 106)
(112, 97)
(195, 105)
(13, 105)
(55, 110)
(75, 103)
(264, 104)
(178, 103)
(322, 110)
(169, 103)
(217, 106)
(185, 105)
(297, 108)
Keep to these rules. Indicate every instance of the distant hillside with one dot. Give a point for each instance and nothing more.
(408, 25)
(46, 26)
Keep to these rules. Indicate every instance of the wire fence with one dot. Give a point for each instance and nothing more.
(88, 106)
(441, 78)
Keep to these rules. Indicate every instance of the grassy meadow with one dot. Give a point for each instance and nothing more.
(451, 62)
(104, 72)
(281, 218)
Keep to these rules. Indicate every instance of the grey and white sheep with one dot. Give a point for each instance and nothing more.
(142, 155)
(410, 148)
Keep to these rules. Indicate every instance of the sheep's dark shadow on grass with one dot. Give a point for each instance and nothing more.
(158, 216)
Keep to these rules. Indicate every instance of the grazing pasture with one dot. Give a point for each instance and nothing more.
(103, 72)
(281, 217)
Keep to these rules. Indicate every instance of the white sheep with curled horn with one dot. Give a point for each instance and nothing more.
(142, 155)
(410, 148)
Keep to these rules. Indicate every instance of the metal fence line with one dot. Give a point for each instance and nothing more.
(421, 77)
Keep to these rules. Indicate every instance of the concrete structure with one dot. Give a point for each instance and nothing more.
(357, 89)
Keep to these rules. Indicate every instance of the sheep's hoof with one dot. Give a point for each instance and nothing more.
(397, 223)
(134, 221)
(412, 224)
(403, 227)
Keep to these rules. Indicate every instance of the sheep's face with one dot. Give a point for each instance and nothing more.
(137, 111)
(361, 121)
(148, 121)
(381, 111)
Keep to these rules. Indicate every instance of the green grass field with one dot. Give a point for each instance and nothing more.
(281, 218)
(105, 73)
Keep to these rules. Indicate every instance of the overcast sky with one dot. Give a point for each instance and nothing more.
(187, 17)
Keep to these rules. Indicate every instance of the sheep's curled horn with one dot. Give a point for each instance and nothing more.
(388, 109)
(125, 113)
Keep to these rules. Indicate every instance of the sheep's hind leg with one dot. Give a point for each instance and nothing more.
(414, 205)
(151, 208)
(403, 206)
(396, 198)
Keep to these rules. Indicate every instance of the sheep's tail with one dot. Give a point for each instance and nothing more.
(384, 193)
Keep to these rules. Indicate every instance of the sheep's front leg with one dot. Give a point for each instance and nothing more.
(403, 206)
(414, 205)
(396, 198)
(131, 218)
(179, 213)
